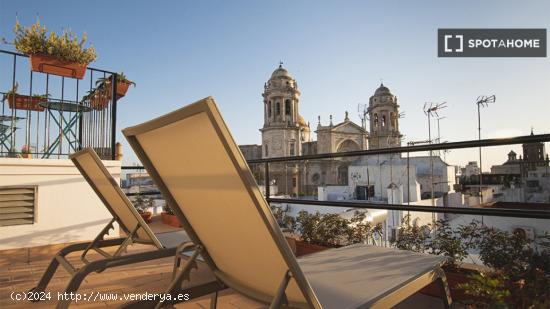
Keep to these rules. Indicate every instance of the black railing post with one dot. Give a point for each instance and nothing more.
(267, 186)
(113, 117)
(79, 117)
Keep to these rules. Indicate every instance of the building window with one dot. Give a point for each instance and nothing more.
(277, 108)
(269, 109)
(383, 120)
(393, 119)
(292, 149)
(294, 182)
(376, 120)
(287, 107)
(315, 178)
(343, 175)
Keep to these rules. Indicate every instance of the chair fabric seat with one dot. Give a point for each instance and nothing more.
(172, 239)
(358, 275)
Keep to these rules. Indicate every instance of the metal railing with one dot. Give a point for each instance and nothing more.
(37, 121)
(500, 212)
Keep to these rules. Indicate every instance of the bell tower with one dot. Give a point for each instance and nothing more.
(384, 119)
(283, 130)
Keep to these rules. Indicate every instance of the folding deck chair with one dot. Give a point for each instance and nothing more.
(200, 171)
(129, 220)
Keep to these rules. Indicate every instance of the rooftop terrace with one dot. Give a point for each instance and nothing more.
(18, 274)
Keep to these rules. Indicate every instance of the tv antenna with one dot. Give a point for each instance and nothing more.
(363, 112)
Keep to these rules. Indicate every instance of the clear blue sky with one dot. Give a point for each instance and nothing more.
(181, 51)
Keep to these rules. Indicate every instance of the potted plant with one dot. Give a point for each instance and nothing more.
(520, 271)
(97, 99)
(122, 84)
(62, 55)
(320, 231)
(142, 204)
(454, 244)
(26, 152)
(24, 102)
(287, 224)
(168, 217)
(360, 231)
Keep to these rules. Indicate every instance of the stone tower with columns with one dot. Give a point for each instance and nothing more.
(284, 130)
(384, 119)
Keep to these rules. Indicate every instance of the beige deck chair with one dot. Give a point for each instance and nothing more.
(129, 220)
(199, 169)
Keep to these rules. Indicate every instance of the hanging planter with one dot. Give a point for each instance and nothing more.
(25, 102)
(51, 65)
(62, 55)
(122, 88)
(97, 99)
(122, 84)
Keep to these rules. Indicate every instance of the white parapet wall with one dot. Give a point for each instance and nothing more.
(67, 209)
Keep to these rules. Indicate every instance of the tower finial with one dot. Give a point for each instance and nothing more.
(532, 130)
(381, 81)
(319, 120)
(330, 120)
(280, 64)
(347, 117)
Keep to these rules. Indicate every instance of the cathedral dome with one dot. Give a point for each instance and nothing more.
(301, 121)
(382, 90)
(280, 72)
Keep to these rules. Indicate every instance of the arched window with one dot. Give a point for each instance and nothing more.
(269, 109)
(393, 119)
(277, 108)
(375, 120)
(287, 107)
(343, 175)
(383, 120)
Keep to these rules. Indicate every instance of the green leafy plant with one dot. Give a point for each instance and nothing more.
(308, 226)
(332, 228)
(167, 210)
(411, 237)
(487, 290)
(359, 231)
(122, 79)
(522, 266)
(284, 220)
(449, 243)
(35, 40)
(13, 92)
(106, 81)
(501, 250)
(141, 203)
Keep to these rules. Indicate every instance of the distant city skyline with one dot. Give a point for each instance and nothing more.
(179, 52)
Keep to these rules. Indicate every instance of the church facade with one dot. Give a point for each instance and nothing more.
(286, 133)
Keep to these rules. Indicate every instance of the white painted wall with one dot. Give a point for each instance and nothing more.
(67, 209)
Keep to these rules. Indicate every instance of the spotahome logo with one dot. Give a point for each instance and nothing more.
(491, 42)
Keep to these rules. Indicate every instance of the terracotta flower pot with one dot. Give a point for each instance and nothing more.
(170, 219)
(51, 65)
(25, 102)
(146, 215)
(99, 101)
(121, 89)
